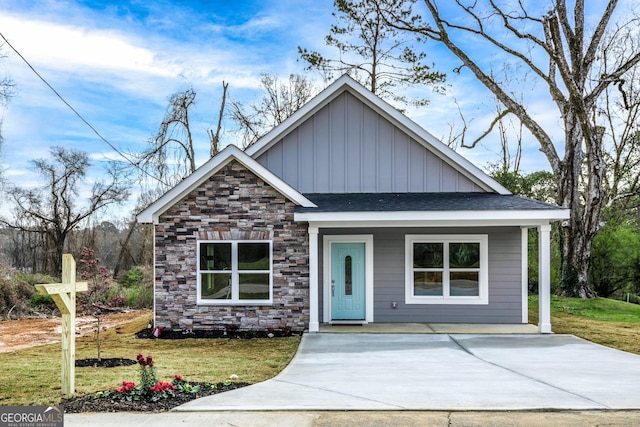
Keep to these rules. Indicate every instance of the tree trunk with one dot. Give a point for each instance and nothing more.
(124, 248)
(576, 252)
(56, 259)
(585, 204)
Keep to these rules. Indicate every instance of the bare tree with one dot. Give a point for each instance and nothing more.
(561, 54)
(52, 209)
(214, 137)
(171, 154)
(280, 100)
(620, 111)
(373, 53)
(6, 92)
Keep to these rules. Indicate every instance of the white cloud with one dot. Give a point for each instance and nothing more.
(66, 47)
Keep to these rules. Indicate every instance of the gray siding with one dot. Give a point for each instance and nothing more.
(505, 286)
(346, 147)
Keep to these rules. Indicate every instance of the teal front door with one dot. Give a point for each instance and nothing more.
(348, 281)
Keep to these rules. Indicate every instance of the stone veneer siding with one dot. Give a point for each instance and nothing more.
(234, 204)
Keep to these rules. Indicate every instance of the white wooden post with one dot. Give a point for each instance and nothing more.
(524, 266)
(314, 324)
(544, 278)
(64, 295)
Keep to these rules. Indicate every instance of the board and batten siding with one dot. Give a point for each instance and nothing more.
(346, 147)
(505, 286)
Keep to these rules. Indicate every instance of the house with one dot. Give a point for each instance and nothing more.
(346, 212)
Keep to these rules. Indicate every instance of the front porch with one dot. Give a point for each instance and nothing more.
(429, 328)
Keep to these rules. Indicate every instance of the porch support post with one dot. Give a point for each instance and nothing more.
(544, 279)
(314, 324)
(524, 251)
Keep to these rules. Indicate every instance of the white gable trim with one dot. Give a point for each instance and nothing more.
(193, 181)
(346, 83)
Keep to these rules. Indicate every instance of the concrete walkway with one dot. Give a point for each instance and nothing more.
(357, 419)
(458, 372)
(429, 328)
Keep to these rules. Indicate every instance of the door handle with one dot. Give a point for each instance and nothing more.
(333, 288)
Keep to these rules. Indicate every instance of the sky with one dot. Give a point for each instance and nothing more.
(117, 63)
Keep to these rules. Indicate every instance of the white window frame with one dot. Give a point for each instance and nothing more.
(483, 274)
(235, 275)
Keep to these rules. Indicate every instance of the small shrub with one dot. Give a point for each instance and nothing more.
(137, 276)
(140, 297)
(133, 277)
(39, 301)
(36, 278)
(15, 294)
(138, 287)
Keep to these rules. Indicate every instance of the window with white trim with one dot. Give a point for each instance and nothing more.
(234, 272)
(446, 269)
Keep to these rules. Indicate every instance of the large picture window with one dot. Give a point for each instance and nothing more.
(446, 269)
(234, 272)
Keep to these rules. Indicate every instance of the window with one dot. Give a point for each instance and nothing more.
(234, 272)
(446, 269)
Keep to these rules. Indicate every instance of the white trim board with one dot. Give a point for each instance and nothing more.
(487, 217)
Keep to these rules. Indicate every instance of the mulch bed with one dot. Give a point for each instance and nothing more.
(218, 333)
(90, 403)
(104, 363)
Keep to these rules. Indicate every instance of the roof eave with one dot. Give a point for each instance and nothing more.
(437, 218)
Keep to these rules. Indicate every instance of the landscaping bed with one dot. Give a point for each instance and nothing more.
(217, 333)
(104, 363)
(112, 402)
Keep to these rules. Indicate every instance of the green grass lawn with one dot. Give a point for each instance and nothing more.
(32, 376)
(604, 321)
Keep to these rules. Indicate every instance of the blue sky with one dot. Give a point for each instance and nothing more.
(117, 62)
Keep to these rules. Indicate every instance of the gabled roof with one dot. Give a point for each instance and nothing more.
(204, 172)
(346, 83)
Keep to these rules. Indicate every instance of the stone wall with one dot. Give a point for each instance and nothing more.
(232, 204)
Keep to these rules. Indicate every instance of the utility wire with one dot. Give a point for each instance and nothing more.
(113, 147)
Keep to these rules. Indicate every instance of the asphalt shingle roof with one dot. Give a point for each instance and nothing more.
(397, 202)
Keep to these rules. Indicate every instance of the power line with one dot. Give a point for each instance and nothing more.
(113, 147)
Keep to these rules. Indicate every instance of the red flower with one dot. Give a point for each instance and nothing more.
(178, 377)
(149, 360)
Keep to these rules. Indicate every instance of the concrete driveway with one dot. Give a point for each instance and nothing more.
(442, 372)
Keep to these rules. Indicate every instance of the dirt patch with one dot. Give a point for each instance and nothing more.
(31, 332)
